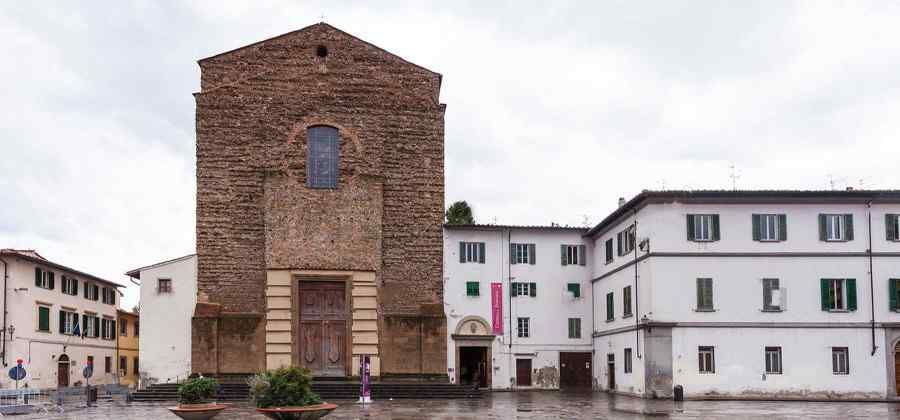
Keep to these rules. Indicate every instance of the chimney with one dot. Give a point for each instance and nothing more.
(621, 201)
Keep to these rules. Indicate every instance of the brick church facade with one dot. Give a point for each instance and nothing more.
(320, 188)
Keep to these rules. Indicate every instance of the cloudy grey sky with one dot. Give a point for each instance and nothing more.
(554, 111)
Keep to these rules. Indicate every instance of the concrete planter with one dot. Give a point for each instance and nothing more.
(198, 411)
(307, 412)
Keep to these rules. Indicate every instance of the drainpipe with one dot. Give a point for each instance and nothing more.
(871, 276)
(637, 319)
(509, 296)
(5, 292)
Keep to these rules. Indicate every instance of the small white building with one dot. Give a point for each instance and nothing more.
(168, 297)
(57, 321)
(749, 294)
(518, 306)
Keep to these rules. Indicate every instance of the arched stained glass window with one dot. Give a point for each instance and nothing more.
(324, 155)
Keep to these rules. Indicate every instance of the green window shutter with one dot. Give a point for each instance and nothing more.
(532, 251)
(112, 328)
(582, 255)
(481, 252)
(610, 311)
(562, 255)
(103, 328)
(782, 227)
(716, 235)
(826, 295)
(472, 288)
(533, 289)
(690, 227)
(851, 294)
(822, 231)
(84, 323)
(62, 322)
(890, 227)
(892, 294)
(37, 277)
(43, 318)
(575, 288)
(462, 252)
(51, 283)
(512, 253)
(619, 244)
(848, 227)
(756, 225)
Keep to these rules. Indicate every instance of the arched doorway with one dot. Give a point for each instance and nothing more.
(62, 371)
(897, 368)
(473, 341)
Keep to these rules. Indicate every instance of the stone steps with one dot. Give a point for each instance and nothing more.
(337, 390)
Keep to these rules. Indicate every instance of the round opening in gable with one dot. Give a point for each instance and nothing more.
(321, 51)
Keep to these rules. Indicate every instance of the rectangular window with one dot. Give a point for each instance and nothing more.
(472, 288)
(704, 294)
(892, 227)
(707, 357)
(163, 286)
(123, 327)
(626, 301)
(324, 147)
(109, 296)
(836, 227)
(625, 240)
(838, 294)
(522, 253)
(627, 360)
(43, 278)
(840, 360)
(43, 318)
(471, 252)
(773, 360)
(894, 294)
(91, 292)
(107, 364)
(69, 285)
(91, 324)
(522, 328)
(108, 329)
(137, 328)
(135, 365)
(609, 250)
(610, 311)
(772, 295)
(574, 289)
(523, 289)
(573, 255)
(703, 227)
(769, 227)
(574, 327)
(123, 365)
(68, 323)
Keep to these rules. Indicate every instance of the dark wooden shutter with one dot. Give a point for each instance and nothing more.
(851, 294)
(532, 254)
(43, 318)
(96, 326)
(74, 290)
(51, 280)
(609, 250)
(782, 227)
(513, 290)
(481, 252)
(582, 255)
(512, 253)
(112, 296)
(462, 252)
(37, 277)
(848, 227)
(610, 310)
(533, 287)
(822, 231)
(562, 255)
(62, 322)
(892, 294)
(103, 329)
(112, 329)
(87, 288)
(756, 227)
(716, 234)
(826, 295)
(890, 224)
(96, 292)
(84, 322)
(767, 292)
(690, 227)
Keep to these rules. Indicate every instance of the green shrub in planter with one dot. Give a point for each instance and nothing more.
(283, 387)
(197, 390)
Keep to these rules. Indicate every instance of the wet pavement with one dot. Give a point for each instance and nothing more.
(528, 405)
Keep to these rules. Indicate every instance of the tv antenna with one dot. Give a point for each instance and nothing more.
(734, 177)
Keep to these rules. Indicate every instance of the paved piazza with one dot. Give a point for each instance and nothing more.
(530, 405)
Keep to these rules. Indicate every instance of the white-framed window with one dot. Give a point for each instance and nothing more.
(109, 296)
(523, 328)
(91, 291)
(43, 278)
(573, 254)
(123, 327)
(773, 296)
(471, 252)
(773, 360)
(834, 227)
(108, 329)
(628, 367)
(524, 289)
(625, 241)
(163, 285)
(90, 325)
(840, 360)
(892, 226)
(522, 253)
(69, 320)
(574, 327)
(705, 294)
(839, 294)
(703, 227)
(769, 227)
(707, 357)
(69, 285)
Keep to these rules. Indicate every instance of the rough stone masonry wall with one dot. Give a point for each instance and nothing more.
(254, 210)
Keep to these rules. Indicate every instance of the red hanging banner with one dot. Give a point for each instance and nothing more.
(497, 308)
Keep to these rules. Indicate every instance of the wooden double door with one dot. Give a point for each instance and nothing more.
(322, 332)
(575, 370)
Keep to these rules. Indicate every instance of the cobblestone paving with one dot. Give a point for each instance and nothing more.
(528, 405)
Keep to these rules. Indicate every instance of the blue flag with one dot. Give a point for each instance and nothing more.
(76, 330)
